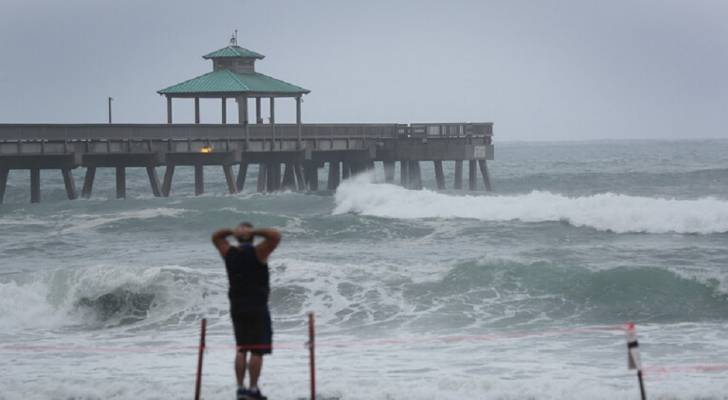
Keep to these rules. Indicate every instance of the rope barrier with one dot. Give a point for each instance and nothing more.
(687, 368)
(633, 356)
(296, 345)
(654, 372)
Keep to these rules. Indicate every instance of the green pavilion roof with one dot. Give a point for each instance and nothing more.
(233, 51)
(226, 81)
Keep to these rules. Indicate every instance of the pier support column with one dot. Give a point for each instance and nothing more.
(224, 110)
(272, 119)
(258, 118)
(388, 171)
(345, 170)
(69, 183)
(289, 179)
(154, 181)
(415, 176)
(300, 177)
(169, 110)
(472, 175)
(439, 175)
(334, 175)
(299, 126)
(359, 167)
(3, 182)
(120, 182)
(197, 110)
(404, 174)
(262, 177)
(273, 171)
(35, 185)
(418, 175)
(354, 168)
(278, 176)
(458, 183)
(243, 118)
(167, 184)
(199, 179)
(242, 172)
(311, 172)
(230, 179)
(88, 180)
(486, 175)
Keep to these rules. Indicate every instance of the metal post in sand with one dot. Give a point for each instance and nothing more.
(311, 353)
(198, 383)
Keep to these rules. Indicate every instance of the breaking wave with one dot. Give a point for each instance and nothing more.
(103, 296)
(605, 212)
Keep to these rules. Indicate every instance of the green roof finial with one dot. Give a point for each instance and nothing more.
(232, 50)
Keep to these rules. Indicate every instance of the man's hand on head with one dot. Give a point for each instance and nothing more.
(243, 233)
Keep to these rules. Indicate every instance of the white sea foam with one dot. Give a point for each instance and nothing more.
(605, 212)
(80, 222)
(51, 299)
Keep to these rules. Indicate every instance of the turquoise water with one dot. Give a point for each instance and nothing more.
(516, 294)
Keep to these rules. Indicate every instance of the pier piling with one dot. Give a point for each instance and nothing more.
(273, 179)
(333, 181)
(415, 175)
(120, 182)
(35, 185)
(3, 182)
(472, 175)
(388, 171)
(345, 170)
(88, 182)
(242, 172)
(300, 176)
(310, 171)
(167, 183)
(404, 174)
(154, 181)
(230, 179)
(439, 175)
(486, 174)
(458, 183)
(69, 183)
(199, 179)
(262, 177)
(289, 179)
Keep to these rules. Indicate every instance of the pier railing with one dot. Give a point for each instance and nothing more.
(75, 132)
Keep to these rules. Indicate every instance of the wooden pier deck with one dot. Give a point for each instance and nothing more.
(299, 151)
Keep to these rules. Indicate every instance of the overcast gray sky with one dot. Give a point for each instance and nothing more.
(541, 70)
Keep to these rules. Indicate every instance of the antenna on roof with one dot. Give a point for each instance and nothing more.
(234, 38)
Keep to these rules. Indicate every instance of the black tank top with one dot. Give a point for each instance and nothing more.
(248, 277)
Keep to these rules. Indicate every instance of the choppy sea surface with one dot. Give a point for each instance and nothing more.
(521, 293)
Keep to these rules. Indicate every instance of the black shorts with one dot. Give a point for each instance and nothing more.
(253, 330)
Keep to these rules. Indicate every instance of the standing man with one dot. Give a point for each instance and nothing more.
(247, 270)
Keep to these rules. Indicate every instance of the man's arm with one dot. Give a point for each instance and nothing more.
(219, 239)
(263, 249)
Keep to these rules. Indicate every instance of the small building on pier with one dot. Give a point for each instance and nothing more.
(234, 77)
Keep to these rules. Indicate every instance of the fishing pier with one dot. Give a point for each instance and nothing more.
(288, 156)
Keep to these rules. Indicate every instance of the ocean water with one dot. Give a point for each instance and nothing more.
(521, 293)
